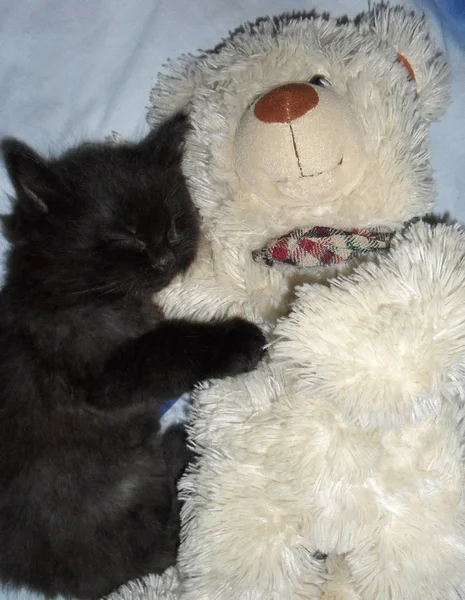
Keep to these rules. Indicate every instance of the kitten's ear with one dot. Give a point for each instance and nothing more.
(35, 183)
(167, 140)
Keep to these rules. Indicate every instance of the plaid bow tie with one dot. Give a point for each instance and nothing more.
(322, 246)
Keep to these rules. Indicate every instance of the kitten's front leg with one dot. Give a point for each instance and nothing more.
(169, 360)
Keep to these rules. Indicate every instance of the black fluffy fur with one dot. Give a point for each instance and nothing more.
(87, 480)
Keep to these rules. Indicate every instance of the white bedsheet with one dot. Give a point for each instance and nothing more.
(82, 68)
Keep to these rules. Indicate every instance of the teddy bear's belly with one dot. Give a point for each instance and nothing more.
(351, 484)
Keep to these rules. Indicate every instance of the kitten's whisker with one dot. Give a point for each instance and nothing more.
(174, 191)
(104, 288)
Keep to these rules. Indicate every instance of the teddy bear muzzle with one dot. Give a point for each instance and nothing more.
(301, 133)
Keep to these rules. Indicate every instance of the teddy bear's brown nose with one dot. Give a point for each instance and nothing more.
(286, 103)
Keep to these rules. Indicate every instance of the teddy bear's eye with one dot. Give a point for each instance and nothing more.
(320, 80)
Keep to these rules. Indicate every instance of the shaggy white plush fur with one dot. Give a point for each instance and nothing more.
(153, 587)
(348, 441)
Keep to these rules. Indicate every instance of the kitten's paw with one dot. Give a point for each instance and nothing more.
(243, 346)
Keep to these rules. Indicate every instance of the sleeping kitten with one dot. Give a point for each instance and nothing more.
(87, 480)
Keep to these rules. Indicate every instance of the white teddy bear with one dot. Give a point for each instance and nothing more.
(335, 470)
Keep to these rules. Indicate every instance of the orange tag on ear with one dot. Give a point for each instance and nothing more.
(407, 65)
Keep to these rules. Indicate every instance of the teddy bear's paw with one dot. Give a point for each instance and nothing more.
(387, 343)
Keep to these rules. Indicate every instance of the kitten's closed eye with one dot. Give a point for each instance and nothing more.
(125, 242)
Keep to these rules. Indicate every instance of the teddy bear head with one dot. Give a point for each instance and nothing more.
(308, 149)
(306, 120)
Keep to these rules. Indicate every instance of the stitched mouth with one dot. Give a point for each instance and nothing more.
(312, 175)
(299, 162)
(322, 172)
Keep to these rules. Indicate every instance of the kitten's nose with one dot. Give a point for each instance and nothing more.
(163, 261)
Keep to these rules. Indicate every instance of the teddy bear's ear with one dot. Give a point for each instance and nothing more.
(174, 90)
(408, 33)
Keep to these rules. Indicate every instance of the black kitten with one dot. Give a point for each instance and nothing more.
(87, 480)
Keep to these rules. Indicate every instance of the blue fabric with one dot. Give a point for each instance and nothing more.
(452, 15)
(447, 20)
(167, 405)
